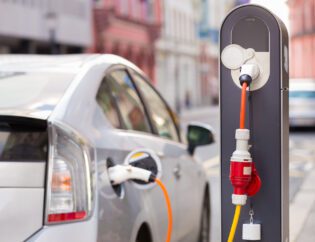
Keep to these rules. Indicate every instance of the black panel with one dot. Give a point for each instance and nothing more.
(251, 32)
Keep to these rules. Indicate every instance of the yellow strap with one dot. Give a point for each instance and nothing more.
(235, 222)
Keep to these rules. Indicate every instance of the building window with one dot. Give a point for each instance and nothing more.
(150, 11)
(308, 11)
(301, 19)
(123, 7)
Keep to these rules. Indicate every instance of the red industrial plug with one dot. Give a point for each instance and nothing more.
(255, 183)
(244, 178)
(243, 173)
(240, 176)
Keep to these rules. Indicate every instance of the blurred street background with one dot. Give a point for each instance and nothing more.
(176, 43)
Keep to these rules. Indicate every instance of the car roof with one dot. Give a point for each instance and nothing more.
(70, 63)
(65, 66)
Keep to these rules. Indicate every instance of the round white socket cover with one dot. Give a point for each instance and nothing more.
(234, 56)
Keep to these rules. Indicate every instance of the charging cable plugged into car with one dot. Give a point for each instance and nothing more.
(119, 174)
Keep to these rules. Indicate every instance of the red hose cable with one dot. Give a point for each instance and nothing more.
(243, 106)
(169, 209)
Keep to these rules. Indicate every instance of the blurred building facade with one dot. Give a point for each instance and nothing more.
(128, 28)
(50, 26)
(302, 46)
(177, 54)
(212, 13)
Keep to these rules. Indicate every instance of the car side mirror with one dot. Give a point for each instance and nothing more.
(199, 134)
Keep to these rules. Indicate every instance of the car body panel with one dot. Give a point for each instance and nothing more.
(22, 174)
(21, 212)
(119, 218)
(190, 198)
(79, 232)
(65, 66)
(22, 178)
(31, 94)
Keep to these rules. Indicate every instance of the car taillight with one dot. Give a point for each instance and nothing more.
(69, 194)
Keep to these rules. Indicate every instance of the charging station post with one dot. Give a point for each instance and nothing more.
(250, 34)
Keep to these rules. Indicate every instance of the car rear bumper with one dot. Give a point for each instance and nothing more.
(78, 232)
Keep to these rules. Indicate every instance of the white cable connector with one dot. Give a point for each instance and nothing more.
(251, 70)
(121, 173)
(239, 199)
(241, 152)
(240, 156)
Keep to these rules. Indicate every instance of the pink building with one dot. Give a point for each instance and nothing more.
(302, 23)
(128, 28)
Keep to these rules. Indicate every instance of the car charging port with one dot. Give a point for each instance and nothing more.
(144, 159)
(146, 163)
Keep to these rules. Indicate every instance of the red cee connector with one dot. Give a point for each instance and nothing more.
(243, 174)
(244, 178)
(255, 183)
(240, 176)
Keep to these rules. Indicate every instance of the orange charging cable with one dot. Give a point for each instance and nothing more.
(169, 209)
(242, 126)
(243, 106)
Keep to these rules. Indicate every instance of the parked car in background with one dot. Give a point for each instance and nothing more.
(64, 121)
(302, 103)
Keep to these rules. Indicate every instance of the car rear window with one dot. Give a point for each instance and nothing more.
(23, 146)
(302, 94)
(32, 91)
(23, 139)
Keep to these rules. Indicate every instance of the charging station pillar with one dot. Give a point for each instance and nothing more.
(252, 26)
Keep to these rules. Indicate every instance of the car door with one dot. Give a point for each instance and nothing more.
(187, 175)
(130, 129)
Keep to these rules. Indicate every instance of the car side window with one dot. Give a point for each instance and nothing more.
(160, 114)
(107, 103)
(129, 103)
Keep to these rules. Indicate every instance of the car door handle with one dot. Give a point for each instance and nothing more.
(177, 172)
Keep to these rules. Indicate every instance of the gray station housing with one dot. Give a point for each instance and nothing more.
(252, 26)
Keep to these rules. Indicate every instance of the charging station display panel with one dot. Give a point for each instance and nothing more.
(258, 39)
(253, 27)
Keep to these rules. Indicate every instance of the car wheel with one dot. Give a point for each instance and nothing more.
(144, 234)
(204, 234)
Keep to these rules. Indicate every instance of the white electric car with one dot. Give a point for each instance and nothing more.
(64, 121)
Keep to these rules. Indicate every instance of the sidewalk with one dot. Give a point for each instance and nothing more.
(302, 212)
